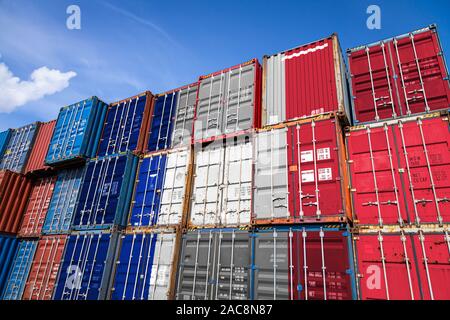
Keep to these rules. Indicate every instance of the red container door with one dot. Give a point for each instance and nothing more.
(310, 80)
(376, 185)
(424, 148)
(433, 255)
(386, 267)
(314, 174)
(44, 268)
(421, 73)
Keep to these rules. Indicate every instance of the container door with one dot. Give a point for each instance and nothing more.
(147, 195)
(270, 197)
(433, 260)
(424, 147)
(162, 122)
(173, 193)
(184, 118)
(17, 151)
(275, 92)
(386, 267)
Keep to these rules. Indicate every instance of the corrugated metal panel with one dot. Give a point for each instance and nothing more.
(40, 147)
(409, 265)
(146, 266)
(160, 190)
(304, 81)
(77, 132)
(14, 192)
(406, 180)
(4, 139)
(303, 264)
(64, 199)
(86, 266)
(124, 123)
(215, 264)
(8, 247)
(222, 185)
(229, 101)
(44, 268)
(399, 77)
(19, 148)
(37, 207)
(106, 192)
(184, 118)
(19, 270)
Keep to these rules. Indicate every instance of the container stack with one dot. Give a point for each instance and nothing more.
(399, 160)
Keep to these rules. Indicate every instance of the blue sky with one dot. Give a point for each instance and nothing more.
(126, 47)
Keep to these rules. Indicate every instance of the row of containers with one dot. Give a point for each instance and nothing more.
(251, 183)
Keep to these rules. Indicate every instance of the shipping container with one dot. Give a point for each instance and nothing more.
(20, 269)
(161, 189)
(14, 193)
(19, 148)
(36, 160)
(8, 249)
(215, 264)
(105, 193)
(64, 199)
(303, 263)
(125, 122)
(146, 266)
(228, 102)
(44, 268)
(301, 173)
(4, 139)
(37, 207)
(399, 171)
(403, 265)
(400, 76)
(77, 132)
(308, 80)
(85, 272)
(222, 183)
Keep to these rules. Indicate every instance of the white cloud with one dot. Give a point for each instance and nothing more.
(43, 81)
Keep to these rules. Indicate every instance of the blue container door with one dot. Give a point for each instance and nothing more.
(83, 267)
(4, 139)
(162, 122)
(8, 248)
(19, 271)
(18, 148)
(62, 204)
(122, 127)
(147, 197)
(101, 192)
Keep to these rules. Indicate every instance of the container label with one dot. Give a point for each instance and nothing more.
(308, 176)
(325, 174)
(323, 154)
(306, 156)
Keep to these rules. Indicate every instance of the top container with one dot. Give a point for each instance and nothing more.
(228, 102)
(35, 163)
(398, 77)
(305, 81)
(19, 148)
(77, 132)
(4, 139)
(125, 124)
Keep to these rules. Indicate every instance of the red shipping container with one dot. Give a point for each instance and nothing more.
(36, 210)
(403, 265)
(14, 191)
(399, 77)
(400, 171)
(44, 268)
(308, 80)
(36, 160)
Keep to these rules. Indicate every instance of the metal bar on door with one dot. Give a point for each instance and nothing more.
(425, 261)
(132, 124)
(219, 265)
(324, 268)
(48, 269)
(291, 265)
(394, 114)
(146, 188)
(195, 266)
(275, 264)
(127, 275)
(78, 126)
(408, 264)
(208, 263)
(61, 129)
(157, 265)
(305, 263)
(144, 282)
(313, 126)
(113, 173)
(83, 260)
(299, 160)
(124, 128)
(64, 292)
(375, 183)
(372, 84)
(110, 141)
(402, 77)
(230, 295)
(138, 267)
(166, 139)
(383, 263)
(94, 260)
(427, 107)
(152, 220)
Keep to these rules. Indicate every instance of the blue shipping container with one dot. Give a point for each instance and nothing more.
(8, 248)
(106, 192)
(123, 125)
(20, 270)
(19, 147)
(148, 191)
(63, 202)
(144, 266)
(4, 139)
(77, 132)
(86, 266)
